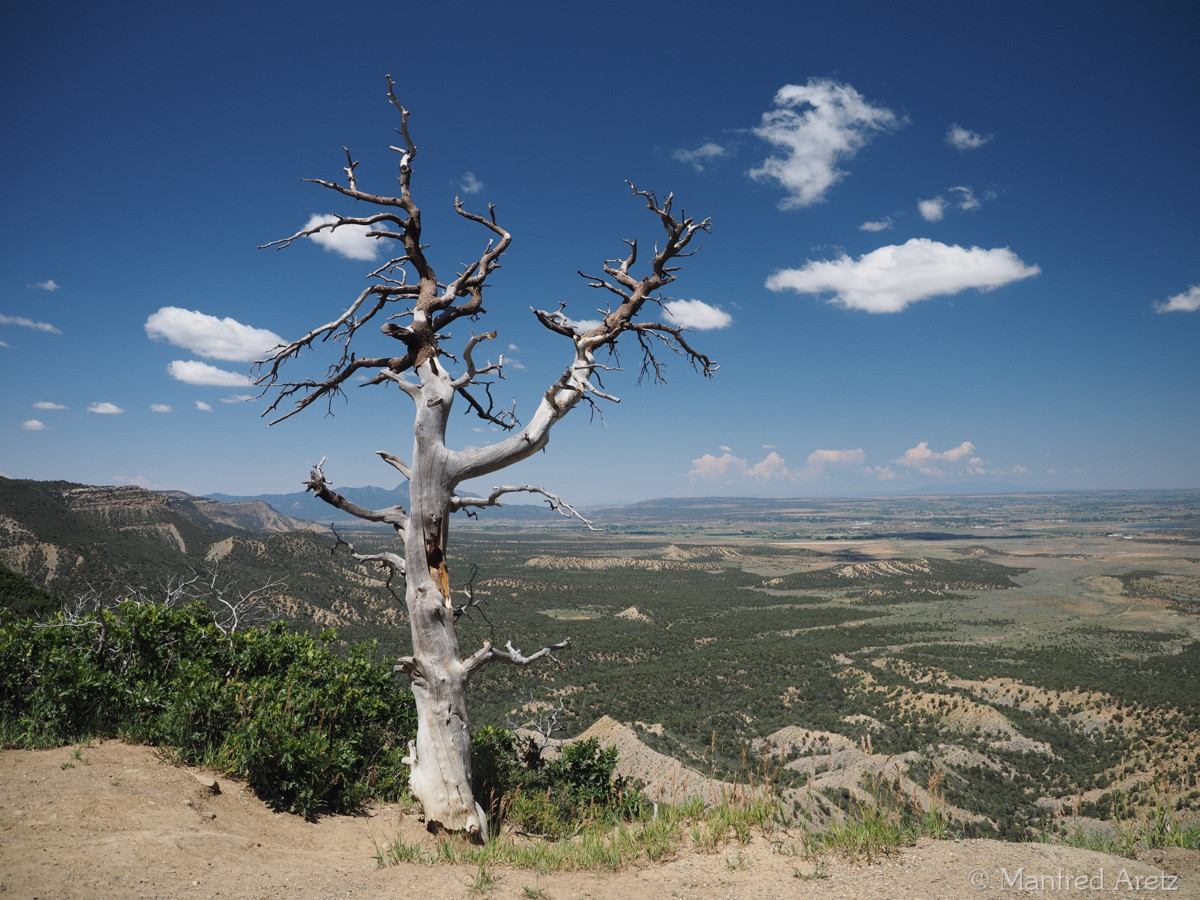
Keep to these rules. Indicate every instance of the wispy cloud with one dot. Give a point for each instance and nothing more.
(818, 125)
(203, 407)
(697, 314)
(964, 198)
(893, 277)
(469, 184)
(160, 407)
(701, 156)
(48, 285)
(510, 358)
(879, 225)
(191, 371)
(105, 408)
(819, 459)
(963, 139)
(29, 323)
(350, 241)
(1188, 301)
(33, 425)
(48, 404)
(209, 336)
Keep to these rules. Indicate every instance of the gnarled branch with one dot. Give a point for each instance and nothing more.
(510, 654)
(317, 483)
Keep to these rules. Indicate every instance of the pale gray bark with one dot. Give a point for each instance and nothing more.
(415, 309)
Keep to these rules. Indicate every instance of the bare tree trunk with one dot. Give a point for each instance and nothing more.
(440, 762)
(440, 758)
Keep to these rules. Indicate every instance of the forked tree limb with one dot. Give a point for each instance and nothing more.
(510, 654)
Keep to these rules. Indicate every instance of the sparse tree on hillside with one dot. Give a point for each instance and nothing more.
(411, 305)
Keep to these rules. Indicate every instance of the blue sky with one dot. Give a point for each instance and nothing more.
(948, 246)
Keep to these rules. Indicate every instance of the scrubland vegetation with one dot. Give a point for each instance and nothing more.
(1027, 683)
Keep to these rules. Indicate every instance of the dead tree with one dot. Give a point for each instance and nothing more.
(410, 305)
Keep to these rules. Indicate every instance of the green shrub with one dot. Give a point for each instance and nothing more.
(551, 797)
(310, 729)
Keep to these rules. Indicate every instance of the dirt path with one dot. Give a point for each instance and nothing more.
(113, 821)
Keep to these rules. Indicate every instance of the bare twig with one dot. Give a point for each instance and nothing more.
(556, 503)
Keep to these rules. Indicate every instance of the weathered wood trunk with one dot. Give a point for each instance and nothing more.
(440, 774)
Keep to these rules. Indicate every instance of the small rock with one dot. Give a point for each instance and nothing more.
(206, 782)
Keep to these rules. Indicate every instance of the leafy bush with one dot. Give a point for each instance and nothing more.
(310, 729)
(551, 797)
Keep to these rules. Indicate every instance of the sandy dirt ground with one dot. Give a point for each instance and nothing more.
(112, 820)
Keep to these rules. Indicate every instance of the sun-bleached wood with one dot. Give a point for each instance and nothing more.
(412, 306)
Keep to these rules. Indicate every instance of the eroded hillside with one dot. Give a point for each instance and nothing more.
(1023, 663)
(1047, 678)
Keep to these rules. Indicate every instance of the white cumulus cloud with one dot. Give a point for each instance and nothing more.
(48, 285)
(696, 314)
(105, 408)
(350, 241)
(817, 125)
(892, 277)
(209, 336)
(922, 456)
(160, 407)
(701, 156)
(933, 210)
(584, 325)
(48, 404)
(33, 425)
(963, 139)
(203, 407)
(191, 371)
(730, 469)
(1188, 301)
